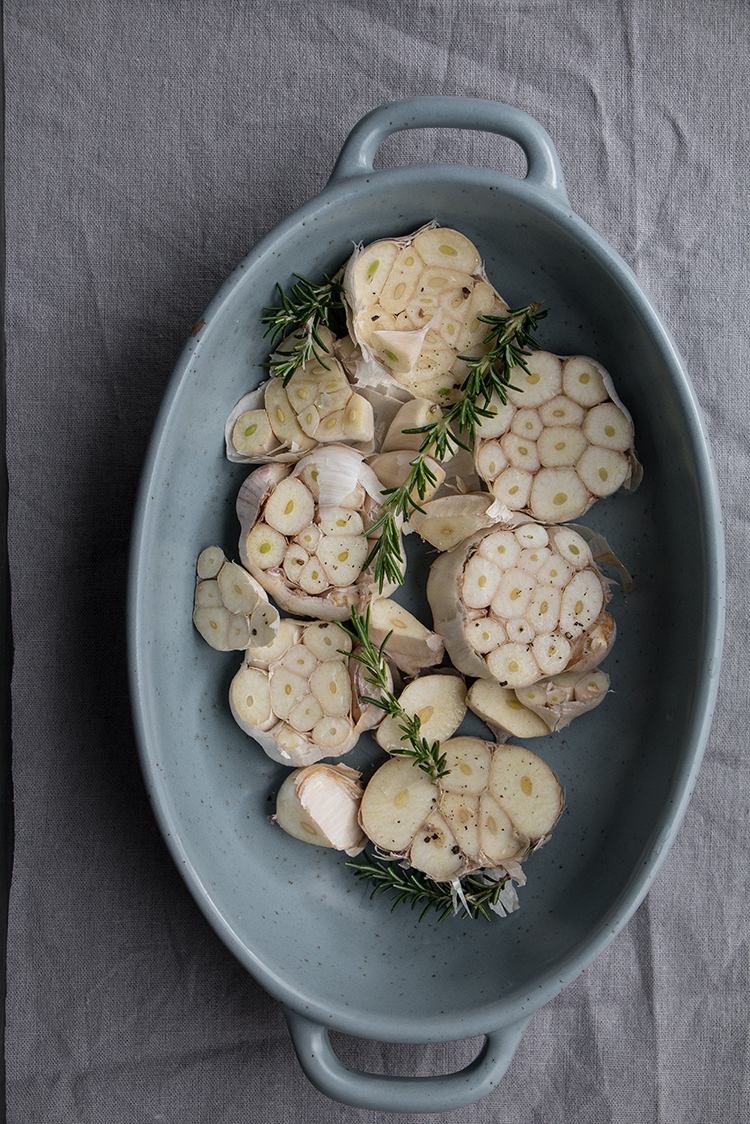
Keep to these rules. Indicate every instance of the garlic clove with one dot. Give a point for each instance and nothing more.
(439, 701)
(252, 433)
(396, 802)
(435, 851)
(503, 711)
(210, 562)
(319, 804)
(500, 840)
(238, 591)
(250, 700)
(467, 761)
(408, 643)
(527, 790)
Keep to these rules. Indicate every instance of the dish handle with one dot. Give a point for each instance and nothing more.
(340, 1082)
(358, 153)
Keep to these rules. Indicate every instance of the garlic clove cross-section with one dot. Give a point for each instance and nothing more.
(439, 701)
(231, 609)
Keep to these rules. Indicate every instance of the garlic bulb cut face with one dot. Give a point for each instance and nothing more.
(320, 804)
(494, 805)
(304, 531)
(230, 608)
(517, 606)
(562, 441)
(300, 696)
(415, 304)
(317, 406)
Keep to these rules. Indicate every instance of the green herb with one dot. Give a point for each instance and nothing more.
(298, 318)
(511, 342)
(479, 892)
(425, 755)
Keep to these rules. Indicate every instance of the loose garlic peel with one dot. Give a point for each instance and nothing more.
(231, 609)
(320, 804)
(562, 441)
(414, 308)
(299, 697)
(317, 406)
(303, 531)
(495, 804)
(521, 605)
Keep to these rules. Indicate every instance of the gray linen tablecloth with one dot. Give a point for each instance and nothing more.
(149, 146)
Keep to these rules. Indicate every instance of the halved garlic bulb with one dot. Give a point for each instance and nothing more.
(317, 406)
(415, 304)
(230, 608)
(304, 531)
(495, 804)
(562, 440)
(301, 696)
(520, 605)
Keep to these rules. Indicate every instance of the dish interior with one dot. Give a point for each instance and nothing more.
(294, 914)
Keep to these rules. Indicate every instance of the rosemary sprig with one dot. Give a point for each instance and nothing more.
(425, 755)
(300, 315)
(479, 893)
(511, 341)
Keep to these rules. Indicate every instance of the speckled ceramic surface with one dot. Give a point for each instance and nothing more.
(293, 914)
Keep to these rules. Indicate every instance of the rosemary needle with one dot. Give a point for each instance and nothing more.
(479, 894)
(426, 755)
(510, 341)
(298, 317)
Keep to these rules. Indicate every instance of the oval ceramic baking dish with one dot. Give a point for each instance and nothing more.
(294, 915)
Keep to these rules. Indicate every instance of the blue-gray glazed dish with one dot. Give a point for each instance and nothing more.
(294, 915)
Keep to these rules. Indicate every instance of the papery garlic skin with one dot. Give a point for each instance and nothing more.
(415, 304)
(301, 697)
(495, 804)
(563, 440)
(540, 605)
(304, 532)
